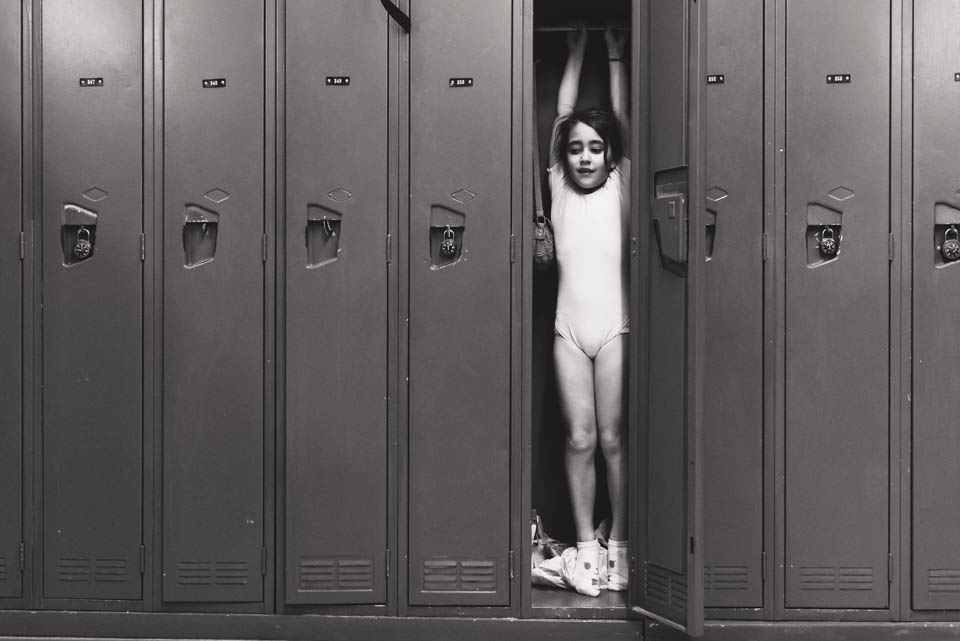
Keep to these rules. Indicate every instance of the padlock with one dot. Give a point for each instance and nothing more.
(448, 246)
(83, 246)
(950, 249)
(828, 243)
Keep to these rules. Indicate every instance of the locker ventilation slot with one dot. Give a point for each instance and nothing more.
(459, 576)
(665, 587)
(213, 573)
(726, 578)
(90, 570)
(318, 575)
(943, 580)
(3, 568)
(818, 579)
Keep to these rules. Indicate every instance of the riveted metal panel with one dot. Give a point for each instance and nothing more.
(213, 323)
(92, 308)
(336, 302)
(837, 307)
(460, 306)
(936, 286)
(733, 362)
(11, 302)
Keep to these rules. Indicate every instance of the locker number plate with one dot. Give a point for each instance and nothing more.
(338, 81)
(838, 79)
(461, 82)
(715, 79)
(214, 83)
(91, 82)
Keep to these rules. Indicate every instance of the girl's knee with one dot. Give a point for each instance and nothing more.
(582, 438)
(611, 441)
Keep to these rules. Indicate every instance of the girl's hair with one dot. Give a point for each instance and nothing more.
(603, 122)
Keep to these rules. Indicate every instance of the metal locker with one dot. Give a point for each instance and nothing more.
(92, 318)
(668, 315)
(336, 302)
(837, 303)
(213, 302)
(936, 285)
(461, 170)
(733, 362)
(11, 302)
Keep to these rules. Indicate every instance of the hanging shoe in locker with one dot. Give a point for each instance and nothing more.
(92, 314)
(11, 302)
(213, 301)
(336, 309)
(462, 136)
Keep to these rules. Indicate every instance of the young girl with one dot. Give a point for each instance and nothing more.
(590, 189)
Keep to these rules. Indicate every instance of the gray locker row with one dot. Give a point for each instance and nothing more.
(158, 286)
(150, 269)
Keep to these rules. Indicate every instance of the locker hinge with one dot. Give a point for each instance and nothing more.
(513, 249)
(263, 561)
(264, 248)
(143, 560)
(143, 247)
(389, 248)
(890, 246)
(634, 562)
(890, 567)
(23, 246)
(387, 564)
(765, 242)
(23, 557)
(763, 567)
(511, 565)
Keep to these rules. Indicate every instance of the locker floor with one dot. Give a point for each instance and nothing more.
(569, 604)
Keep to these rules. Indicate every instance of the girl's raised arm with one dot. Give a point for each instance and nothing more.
(619, 92)
(569, 85)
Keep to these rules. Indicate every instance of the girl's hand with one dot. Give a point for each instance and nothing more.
(577, 41)
(616, 39)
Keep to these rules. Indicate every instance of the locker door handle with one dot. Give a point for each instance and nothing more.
(670, 229)
(397, 14)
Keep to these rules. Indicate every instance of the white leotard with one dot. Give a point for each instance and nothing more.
(591, 238)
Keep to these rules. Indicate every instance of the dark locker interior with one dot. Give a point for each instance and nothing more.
(337, 317)
(550, 494)
(214, 520)
(92, 352)
(11, 305)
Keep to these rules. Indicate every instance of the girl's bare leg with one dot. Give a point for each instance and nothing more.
(609, 379)
(575, 383)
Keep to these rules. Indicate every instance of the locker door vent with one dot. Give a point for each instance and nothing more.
(665, 587)
(444, 575)
(213, 573)
(3, 568)
(92, 570)
(842, 579)
(726, 578)
(943, 580)
(338, 575)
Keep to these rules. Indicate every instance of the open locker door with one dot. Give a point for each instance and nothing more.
(666, 368)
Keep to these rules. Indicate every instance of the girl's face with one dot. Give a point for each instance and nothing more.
(586, 157)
